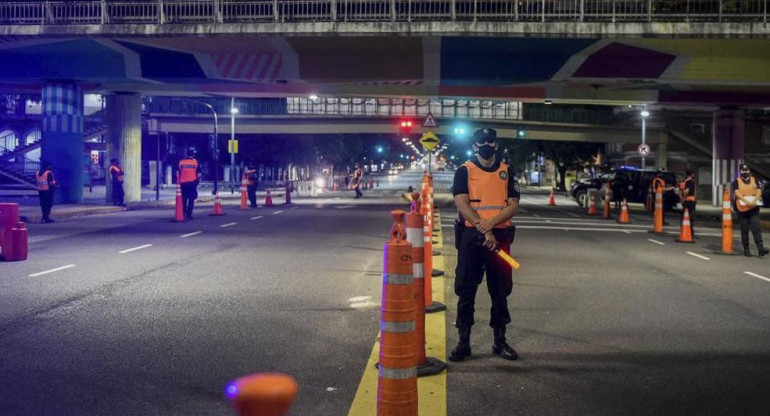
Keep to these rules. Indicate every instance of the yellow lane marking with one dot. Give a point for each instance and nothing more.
(431, 390)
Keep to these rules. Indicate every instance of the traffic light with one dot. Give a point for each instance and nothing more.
(405, 126)
(461, 131)
(520, 133)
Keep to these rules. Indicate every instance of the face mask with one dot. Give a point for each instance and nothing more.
(745, 175)
(486, 152)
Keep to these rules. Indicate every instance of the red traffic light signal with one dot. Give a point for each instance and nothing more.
(405, 126)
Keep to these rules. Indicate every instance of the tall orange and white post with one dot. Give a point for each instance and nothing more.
(430, 305)
(727, 225)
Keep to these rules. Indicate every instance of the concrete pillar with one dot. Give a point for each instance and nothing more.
(123, 113)
(62, 138)
(661, 156)
(728, 133)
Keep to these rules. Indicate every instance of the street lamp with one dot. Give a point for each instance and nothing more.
(233, 112)
(216, 139)
(644, 115)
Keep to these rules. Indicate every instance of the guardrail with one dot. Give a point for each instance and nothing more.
(107, 12)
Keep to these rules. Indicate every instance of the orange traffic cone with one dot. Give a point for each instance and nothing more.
(727, 224)
(425, 210)
(623, 219)
(334, 186)
(218, 208)
(378, 183)
(649, 206)
(685, 232)
(552, 199)
(657, 226)
(397, 381)
(288, 193)
(266, 394)
(179, 209)
(414, 234)
(591, 204)
(244, 195)
(268, 199)
(607, 199)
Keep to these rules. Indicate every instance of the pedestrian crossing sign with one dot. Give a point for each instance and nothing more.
(429, 140)
(429, 121)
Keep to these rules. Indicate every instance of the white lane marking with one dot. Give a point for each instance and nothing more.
(757, 276)
(257, 217)
(698, 255)
(536, 216)
(627, 232)
(359, 298)
(229, 224)
(656, 242)
(344, 207)
(545, 227)
(190, 235)
(547, 220)
(51, 271)
(293, 207)
(135, 248)
(277, 212)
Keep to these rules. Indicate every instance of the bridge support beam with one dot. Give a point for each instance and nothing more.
(62, 138)
(661, 152)
(729, 130)
(123, 114)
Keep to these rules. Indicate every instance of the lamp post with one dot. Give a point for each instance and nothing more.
(216, 140)
(233, 112)
(644, 114)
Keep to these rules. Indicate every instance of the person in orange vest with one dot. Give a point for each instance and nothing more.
(687, 194)
(487, 197)
(746, 198)
(45, 182)
(189, 177)
(358, 176)
(252, 179)
(116, 174)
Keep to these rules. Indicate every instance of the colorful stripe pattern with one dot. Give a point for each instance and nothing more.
(260, 67)
(62, 108)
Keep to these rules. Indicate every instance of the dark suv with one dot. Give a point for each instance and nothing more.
(630, 183)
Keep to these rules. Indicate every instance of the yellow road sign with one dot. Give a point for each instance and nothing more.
(232, 146)
(429, 140)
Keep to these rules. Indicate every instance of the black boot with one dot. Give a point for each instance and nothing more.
(746, 252)
(762, 250)
(501, 347)
(463, 348)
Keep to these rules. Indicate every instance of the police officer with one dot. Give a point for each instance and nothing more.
(487, 196)
(747, 193)
(45, 182)
(358, 176)
(252, 178)
(116, 173)
(687, 194)
(189, 177)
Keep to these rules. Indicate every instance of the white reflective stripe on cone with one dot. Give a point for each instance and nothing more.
(418, 270)
(398, 373)
(397, 279)
(727, 217)
(415, 236)
(398, 327)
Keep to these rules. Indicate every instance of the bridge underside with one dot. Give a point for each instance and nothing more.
(701, 72)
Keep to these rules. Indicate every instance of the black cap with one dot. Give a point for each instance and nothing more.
(113, 160)
(688, 172)
(744, 166)
(485, 135)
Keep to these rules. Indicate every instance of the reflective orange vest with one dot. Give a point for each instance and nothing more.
(119, 176)
(744, 190)
(658, 182)
(248, 175)
(488, 192)
(188, 170)
(683, 186)
(42, 181)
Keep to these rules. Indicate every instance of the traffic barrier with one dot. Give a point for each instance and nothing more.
(430, 305)
(552, 199)
(218, 208)
(244, 195)
(685, 231)
(179, 209)
(623, 218)
(591, 203)
(15, 241)
(426, 366)
(335, 187)
(9, 217)
(397, 381)
(432, 216)
(727, 225)
(268, 199)
(265, 394)
(288, 193)
(607, 199)
(657, 226)
(649, 206)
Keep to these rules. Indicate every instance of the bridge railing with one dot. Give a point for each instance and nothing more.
(261, 11)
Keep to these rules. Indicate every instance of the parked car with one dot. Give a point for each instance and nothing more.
(766, 194)
(630, 183)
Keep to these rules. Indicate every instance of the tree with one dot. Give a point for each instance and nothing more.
(568, 155)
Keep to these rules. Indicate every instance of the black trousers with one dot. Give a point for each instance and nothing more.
(357, 187)
(251, 190)
(189, 195)
(750, 222)
(690, 206)
(473, 260)
(46, 202)
(117, 193)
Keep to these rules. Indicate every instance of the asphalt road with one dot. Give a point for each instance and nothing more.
(148, 322)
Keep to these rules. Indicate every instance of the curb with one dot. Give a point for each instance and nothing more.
(766, 225)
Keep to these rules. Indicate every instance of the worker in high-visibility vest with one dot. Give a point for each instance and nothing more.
(45, 182)
(687, 195)
(358, 176)
(116, 174)
(747, 194)
(252, 179)
(189, 177)
(487, 197)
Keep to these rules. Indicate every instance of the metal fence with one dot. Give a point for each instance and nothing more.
(234, 11)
